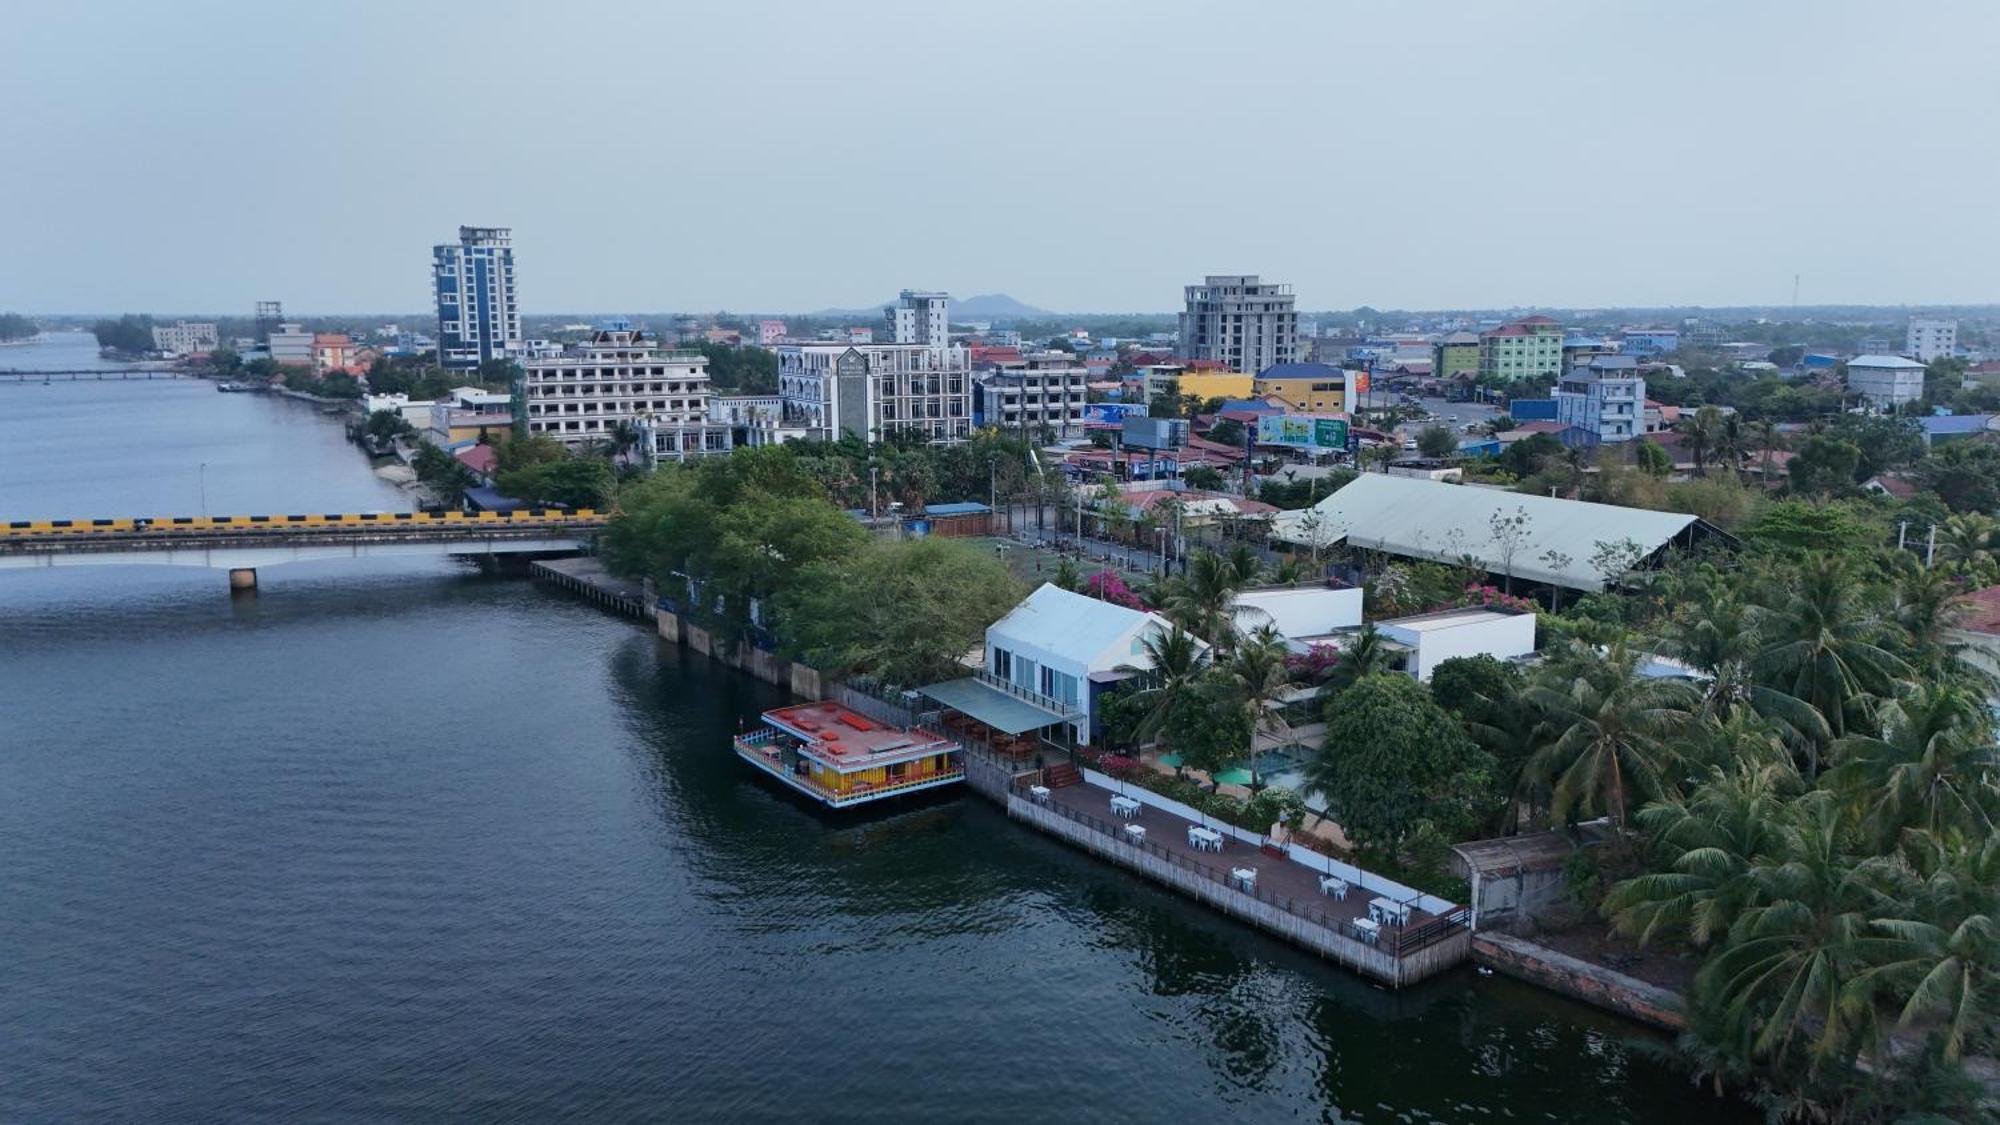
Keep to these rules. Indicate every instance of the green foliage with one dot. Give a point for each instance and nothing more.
(746, 370)
(1394, 761)
(1652, 459)
(582, 482)
(1965, 475)
(1204, 476)
(1437, 441)
(1796, 527)
(1825, 466)
(905, 613)
(442, 474)
(131, 334)
(1210, 729)
(14, 326)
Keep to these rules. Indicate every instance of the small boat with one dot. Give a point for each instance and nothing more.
(840, 758)
(234, 388)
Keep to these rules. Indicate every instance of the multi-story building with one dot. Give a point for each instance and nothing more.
(1456, 356)
(473, 280)
(873, 390)
(1886, 381)
(1311, 388)
(291, 344)
(583, 394)
(769, 332)
(1040, 390)
(1530, 348)
(182, 338)
(1928, 338)
(333, 351)
(1646, 342)
(1240, 322)
(919, 317)
(1607, 398)
(1579, 351)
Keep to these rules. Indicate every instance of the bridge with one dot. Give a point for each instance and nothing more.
(242, 544)
(91, 375)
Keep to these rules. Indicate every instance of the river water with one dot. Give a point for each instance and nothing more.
(400, 841)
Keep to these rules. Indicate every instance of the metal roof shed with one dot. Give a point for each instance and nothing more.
(1425, 519)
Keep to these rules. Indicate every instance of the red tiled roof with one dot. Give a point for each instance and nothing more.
(1899, 487)
(479, 458)
(1982, 611)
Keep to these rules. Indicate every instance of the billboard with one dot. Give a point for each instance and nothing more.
(1303, 431)
(1111, 414)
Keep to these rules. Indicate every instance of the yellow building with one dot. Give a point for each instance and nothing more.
(1315, 388)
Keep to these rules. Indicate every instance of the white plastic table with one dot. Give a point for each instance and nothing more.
(1386, 910)
(1333, 885)
(1207, 839)
(1137, 832)
(1370, 930)
(1124, 806)
(1245, 877)
(1039, 793)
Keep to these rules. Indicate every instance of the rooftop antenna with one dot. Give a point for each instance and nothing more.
(1795, 292)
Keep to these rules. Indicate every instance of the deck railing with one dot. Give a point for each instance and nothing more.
(1398, 941)
(751, 746)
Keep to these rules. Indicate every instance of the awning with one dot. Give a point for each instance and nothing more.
(1008, 714)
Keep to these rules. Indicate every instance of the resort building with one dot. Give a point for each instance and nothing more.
(1530, 348)
(1037, 391)
(1310, 388)
(1049, 662)
(1240, 322)
(622, 377)
(873, 390)
(479, 317)
(1606, 399)
(1928, 338)
(1430, 639)
(840, 757)
(183, 338)
(1885, 381)
(468, 414)
(334, 351)
(918, 317)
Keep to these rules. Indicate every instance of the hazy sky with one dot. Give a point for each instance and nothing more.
(1082, 155)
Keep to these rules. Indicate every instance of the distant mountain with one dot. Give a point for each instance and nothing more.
(994, 306)
(986, 306)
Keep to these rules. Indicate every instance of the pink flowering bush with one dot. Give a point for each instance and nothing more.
(1107, 586)
(1491, 597)
(1314, 664)
(1118, 765)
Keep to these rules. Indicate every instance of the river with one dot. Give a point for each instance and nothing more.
(402, 841)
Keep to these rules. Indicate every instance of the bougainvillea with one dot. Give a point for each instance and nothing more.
(1106, 585)
(1314, 664)
(1491, 597)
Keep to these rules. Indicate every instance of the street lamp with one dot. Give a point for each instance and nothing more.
(1162, 532)
(201, 477)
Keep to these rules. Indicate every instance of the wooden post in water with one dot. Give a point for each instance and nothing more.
(243, 578)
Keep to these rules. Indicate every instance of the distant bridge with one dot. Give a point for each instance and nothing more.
(241, 544)
(91, 375)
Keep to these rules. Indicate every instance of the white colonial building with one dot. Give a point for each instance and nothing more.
(183, 338)
(873, 390)
(582, 394)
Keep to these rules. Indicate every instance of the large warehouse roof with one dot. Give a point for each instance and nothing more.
(1446, 522)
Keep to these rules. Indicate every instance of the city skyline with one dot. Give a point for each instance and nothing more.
(1553, 154)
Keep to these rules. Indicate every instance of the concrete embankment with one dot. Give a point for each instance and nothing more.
(1593, 984)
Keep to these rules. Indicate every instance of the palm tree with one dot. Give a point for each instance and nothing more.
(1199, 600)
(1965, 540)
(1781, 991)
(1925, 603)
(1288, 572)
(1821, 646)
(1935, 768)
(1174, 660)
(1942, 955)
(1769, 440)
(1607, 729)
(1243, 562)
(1258, 673)
(1365, 654)
(1701, 430)
(1707, 845)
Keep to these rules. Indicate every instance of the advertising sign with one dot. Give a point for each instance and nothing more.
(1302, 431)
(1111, 414)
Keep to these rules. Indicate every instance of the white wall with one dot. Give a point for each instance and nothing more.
(1305, 612)
(1502, 637)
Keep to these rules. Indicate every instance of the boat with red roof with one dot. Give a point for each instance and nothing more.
(841, 758)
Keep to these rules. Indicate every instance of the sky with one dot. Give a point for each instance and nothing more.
(1080, 155)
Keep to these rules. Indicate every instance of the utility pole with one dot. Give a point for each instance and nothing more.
(1930, 549)
(202, 482)
(1902, 532)
(873, 472)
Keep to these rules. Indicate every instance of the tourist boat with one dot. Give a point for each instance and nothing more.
(234, 388)
(841, 758)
